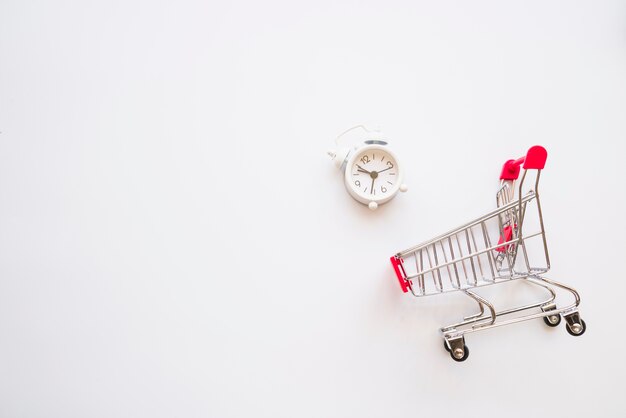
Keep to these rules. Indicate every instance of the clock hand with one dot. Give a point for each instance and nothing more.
(372, 188)
(362, 169)
(385, 170)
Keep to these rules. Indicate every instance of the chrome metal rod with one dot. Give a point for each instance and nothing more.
(529, 196)
(453, 262)
(484, 301)
(477, 318)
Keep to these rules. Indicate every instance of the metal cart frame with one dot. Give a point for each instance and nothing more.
(465, 259)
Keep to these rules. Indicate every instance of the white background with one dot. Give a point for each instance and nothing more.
(174, 242)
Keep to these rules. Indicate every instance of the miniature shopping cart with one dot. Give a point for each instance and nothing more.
(467, 258)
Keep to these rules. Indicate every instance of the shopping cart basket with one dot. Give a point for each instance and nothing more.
(466, 258)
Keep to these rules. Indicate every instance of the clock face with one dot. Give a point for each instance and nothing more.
(373, 174)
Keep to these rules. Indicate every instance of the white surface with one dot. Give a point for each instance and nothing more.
(175, 242)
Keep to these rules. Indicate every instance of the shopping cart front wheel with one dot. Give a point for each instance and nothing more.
(457, 348)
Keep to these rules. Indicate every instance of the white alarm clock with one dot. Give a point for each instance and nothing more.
(372, 173)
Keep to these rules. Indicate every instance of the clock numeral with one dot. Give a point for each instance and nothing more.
(390, 164)
(365, 159)
(383, 189)
(357, 183)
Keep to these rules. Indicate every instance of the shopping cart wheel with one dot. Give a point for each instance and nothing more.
(460, 355)
(445, 345)
(552, 320)
(577, 329)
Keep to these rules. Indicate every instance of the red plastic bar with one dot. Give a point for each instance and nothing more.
(397, 266)
(507, 234)
(535, 159)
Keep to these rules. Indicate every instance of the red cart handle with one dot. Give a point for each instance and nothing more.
(535, 159)
(400, 273)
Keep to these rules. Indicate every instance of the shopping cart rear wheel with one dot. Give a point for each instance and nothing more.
(465, 354)
(581, 330)
(552, 320)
